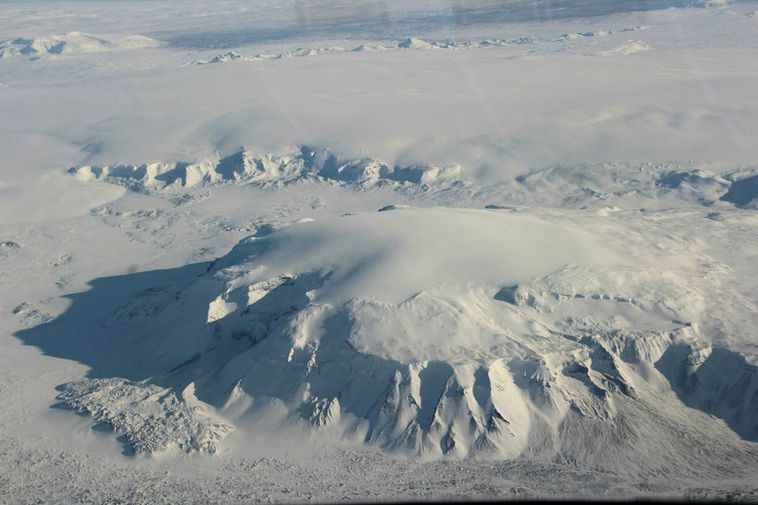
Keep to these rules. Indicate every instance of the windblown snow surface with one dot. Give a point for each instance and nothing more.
(329, 251)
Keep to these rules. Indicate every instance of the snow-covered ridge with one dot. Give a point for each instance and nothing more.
(607, 184)
(79, 42)
(72, 43)
(304, 163)
(413, 43)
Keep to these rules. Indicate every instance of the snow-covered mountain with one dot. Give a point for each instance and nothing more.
(475, 249)
(541, 337)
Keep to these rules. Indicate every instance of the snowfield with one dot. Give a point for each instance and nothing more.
(357, 251)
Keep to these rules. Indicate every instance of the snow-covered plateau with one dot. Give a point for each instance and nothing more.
(327, 251)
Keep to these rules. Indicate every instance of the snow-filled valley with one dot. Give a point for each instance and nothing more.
(299, 251)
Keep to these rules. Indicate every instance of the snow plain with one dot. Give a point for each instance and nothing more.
(344, 251)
